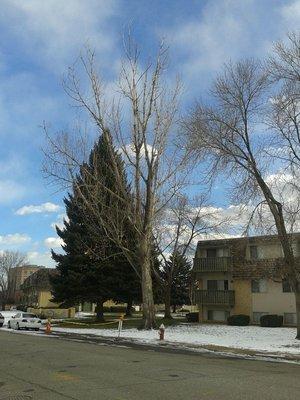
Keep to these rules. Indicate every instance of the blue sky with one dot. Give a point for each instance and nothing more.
(40, 39)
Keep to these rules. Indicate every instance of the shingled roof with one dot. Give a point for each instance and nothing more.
(40, 279)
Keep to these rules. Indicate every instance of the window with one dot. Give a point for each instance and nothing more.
(253, 253)
(286, 287)
(289, 318)
(257, 315)
(259, 286)
(211, 253)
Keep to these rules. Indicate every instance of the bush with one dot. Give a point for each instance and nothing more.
(238, 320)
(192, 317)
(272, 320)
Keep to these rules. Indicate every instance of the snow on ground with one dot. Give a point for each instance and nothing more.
(81, 314)
(271, 340)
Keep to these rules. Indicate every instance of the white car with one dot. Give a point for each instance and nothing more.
(24, 320)
(1, 320)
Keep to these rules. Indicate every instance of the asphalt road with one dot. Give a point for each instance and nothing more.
(48, 368)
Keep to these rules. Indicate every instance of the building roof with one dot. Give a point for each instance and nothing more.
(243, 239)
(40, 279)
(28, 266)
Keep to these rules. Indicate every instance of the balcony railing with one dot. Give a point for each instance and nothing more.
(216, 297)
(212, 264)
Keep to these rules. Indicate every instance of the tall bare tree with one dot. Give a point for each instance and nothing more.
(284, 119)
(229, 134)
(142, 124)
(177, 232)
(8, 260)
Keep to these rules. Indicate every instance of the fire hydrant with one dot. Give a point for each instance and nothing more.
(161, 332)
(48, 326)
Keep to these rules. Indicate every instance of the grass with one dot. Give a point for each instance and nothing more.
(112, 321)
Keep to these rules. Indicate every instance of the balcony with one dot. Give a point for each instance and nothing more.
(212, 264)
(216, 297)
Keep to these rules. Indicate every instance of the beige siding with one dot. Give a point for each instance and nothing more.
(44, 299)
(270, 250)
(243, 300)
(274, 301)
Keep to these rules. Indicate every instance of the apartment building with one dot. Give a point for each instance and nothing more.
(16, 278)
(243, 276)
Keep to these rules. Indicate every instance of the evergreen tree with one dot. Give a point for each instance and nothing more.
(181, 282)
(174, 278)
(92, 268)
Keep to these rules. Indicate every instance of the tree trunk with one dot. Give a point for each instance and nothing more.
(147, 292)
(297, 297)
(99, 311)
(168, 302)
(129, 308)
(290, 269)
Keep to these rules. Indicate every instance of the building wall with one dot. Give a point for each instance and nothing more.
(266, 251)
(16, 278)
(44, 299)
(274, 301)
(243, 297)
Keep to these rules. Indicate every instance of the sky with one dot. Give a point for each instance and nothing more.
(39, 40)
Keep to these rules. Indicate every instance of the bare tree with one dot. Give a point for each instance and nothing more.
(8, 260)
(284, 118)
(229, 133)
(177, 232)
(142, 123)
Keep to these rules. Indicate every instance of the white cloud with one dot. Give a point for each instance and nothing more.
(53, 242)
(10, 191)
(56, 30)
(42, 208)
(291, 12)
(227, 30)
(14, 239)
(60, 221)
(37, 258)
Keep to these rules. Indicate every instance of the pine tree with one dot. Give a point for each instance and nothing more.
(92, 268)
(181, 282)
(174, 277)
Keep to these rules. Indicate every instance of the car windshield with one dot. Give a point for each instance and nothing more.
(29, 316)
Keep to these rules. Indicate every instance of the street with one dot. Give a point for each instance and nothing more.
(48, 368)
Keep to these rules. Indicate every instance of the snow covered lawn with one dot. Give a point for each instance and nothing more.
(269, 340)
